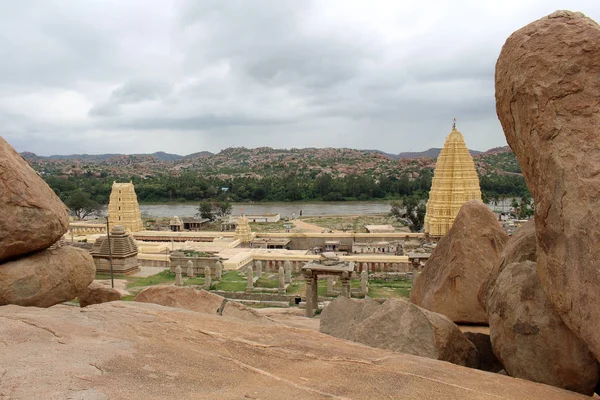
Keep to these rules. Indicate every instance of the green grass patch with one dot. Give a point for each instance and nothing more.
(266, 283)
(194, 281)
(165, 276)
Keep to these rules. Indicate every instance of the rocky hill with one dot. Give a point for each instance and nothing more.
(265, 161)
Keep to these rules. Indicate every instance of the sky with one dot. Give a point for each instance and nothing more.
(183, 76)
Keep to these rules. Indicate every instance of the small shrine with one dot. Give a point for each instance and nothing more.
(242, 230)
(123, 250)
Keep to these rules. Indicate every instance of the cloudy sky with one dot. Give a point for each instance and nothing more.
(139, 76)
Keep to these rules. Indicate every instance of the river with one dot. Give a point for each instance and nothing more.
(286, 209)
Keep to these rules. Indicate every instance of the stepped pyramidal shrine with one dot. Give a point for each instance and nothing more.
(123, 208)
(122, 248)
(455, 182)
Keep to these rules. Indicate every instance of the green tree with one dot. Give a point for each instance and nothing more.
(222, 209)
(205, 210)
(81, 205)
(415, 212)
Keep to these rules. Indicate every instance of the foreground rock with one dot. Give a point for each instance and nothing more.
(460, 264)
(547, 92)
(520, 247)
(197, 300)
(530, 338)
(32, 217)
(47, 277)
(97, 293)
(145, 351)
(400, 326)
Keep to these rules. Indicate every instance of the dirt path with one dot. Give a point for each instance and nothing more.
(301, 226)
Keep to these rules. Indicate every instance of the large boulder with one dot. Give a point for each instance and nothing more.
(97, 293)
(342, 315)
(47, 277)
(137, 351)
(521, 246)
(32, 217)
(197, 300)
(400, 326)
(547, 92)
(529, 336)
(460, 264)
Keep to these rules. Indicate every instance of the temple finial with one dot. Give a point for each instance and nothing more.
(454, 124)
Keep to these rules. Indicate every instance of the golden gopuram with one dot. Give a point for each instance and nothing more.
(123, 208)
(455, 182)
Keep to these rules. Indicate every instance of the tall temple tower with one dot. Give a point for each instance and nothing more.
(123, 208)
(455, 182)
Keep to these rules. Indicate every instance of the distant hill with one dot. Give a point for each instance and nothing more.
(159, 155)
(434, 152)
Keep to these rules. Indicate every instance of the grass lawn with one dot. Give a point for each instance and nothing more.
(270, 226)
(355, 223)
(234, 281)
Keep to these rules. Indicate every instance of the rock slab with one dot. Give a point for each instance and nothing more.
(197, 300)
(547, 92)
(400, 326)
(144, 351)
(32, 217)
(97, 293)
(461, 262)
(47, 277)
(529, 336)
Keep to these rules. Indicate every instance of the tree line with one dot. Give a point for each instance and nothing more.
(190, 186)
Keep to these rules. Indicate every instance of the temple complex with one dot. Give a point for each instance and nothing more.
(123, 208)
(123, 250)
(455, 182)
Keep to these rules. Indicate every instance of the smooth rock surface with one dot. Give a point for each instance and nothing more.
(521, 246)
(97, 293)
(47, 277)
(197, 300)
(342, 315)
(143, 351)
(460, 263)
(32, 217)
(547, 92)
(400, 326)
(530, 338)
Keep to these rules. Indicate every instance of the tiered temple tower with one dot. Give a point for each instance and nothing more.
(242, 230)
(123, 250)
(455, 182)
(123, 208)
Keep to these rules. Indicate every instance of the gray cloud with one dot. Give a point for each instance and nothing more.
(185, 76)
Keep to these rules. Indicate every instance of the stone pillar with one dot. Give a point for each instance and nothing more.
(207, 278)
(281, 280)
(190, 269)
(330, 285)
(346, 284)
(218, 270)
(287, 267)
(364, 283)
(250, 283)
(310, 282)
(258, 265)
(178, 278)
